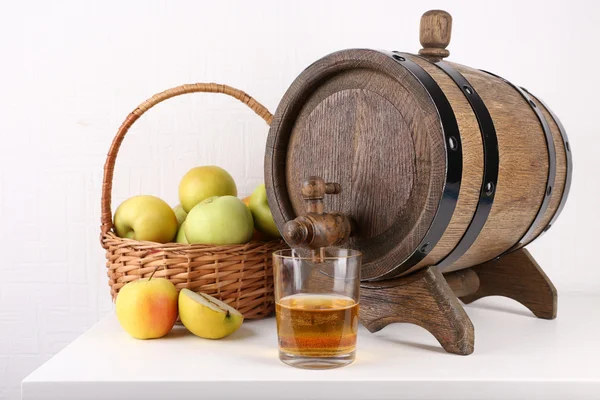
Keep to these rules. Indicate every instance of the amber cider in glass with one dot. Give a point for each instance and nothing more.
(317, 325)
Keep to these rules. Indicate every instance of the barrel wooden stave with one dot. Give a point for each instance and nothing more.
(558, 190)
(523, 169)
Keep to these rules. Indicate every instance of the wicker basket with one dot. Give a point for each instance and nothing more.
(240, 275)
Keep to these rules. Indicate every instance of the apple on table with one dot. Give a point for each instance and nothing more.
(206, 316)
(147, 308)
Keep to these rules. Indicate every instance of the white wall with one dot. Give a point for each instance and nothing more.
(71, 71)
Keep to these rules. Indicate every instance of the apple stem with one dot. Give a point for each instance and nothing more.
(153, 272)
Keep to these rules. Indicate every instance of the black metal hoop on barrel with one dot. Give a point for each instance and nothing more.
(491, 162)
(453, 147)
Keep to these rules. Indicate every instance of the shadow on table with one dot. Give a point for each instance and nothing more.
(508, 309)
(403, 342)
(241, 334)
(177, 332)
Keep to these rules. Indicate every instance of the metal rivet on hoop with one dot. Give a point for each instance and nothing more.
(453, 143)
(489, 188)
(468, 89)
(399, 58)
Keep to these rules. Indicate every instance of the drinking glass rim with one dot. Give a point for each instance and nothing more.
(353, 254)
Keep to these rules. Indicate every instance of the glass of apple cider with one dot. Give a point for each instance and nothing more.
(316, 303)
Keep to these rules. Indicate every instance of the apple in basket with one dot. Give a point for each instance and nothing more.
(180, 214)
(200, 183)
(145, 218)
(261, 213)
(219, 220)
(180, 238)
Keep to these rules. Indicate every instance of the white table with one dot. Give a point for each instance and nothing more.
(516, 356)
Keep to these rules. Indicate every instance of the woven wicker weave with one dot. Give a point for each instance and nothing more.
(240, 275)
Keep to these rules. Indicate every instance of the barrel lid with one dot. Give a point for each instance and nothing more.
(359, 118)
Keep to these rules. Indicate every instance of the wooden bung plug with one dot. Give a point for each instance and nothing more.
(435, 33)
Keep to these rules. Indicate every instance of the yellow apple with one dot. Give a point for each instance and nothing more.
(201, 183)
(219, 220)
(181, 235)
(180, 214)
(261, 213)
(207, 317)
(145, 218)
(147, 308)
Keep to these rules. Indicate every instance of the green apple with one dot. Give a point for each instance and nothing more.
(207, 317)
(200, 183)
(147, 308)
(181, 235)
(219, 220)
(180, 214)
(263, 219)
(145, 218)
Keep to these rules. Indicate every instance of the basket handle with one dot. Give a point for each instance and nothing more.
(259, 109)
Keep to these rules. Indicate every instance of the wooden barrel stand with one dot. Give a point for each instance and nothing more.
(429, 298)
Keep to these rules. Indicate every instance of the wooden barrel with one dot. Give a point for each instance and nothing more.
(438, 163)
